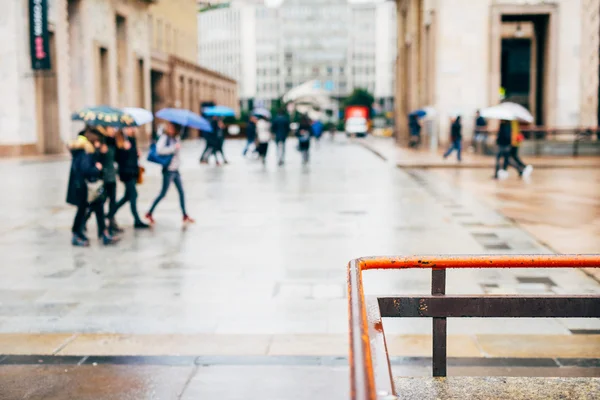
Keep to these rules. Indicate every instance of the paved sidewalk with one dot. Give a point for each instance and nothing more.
(265, 261)
(408, 158)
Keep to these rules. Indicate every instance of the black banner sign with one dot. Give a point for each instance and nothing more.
(38, 33)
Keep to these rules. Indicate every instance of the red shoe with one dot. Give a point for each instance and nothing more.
(188, 220)
(150, 219)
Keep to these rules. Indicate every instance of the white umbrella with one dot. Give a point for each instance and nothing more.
(521, 113)
(507, 111)
(140, 115)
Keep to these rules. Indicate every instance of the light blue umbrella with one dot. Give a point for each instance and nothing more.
(184, 118)
(219, 111)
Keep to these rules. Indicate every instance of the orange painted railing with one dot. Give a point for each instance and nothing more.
(371, 377)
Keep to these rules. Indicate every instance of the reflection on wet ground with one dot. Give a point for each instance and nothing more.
(560, 207)
(263, 270)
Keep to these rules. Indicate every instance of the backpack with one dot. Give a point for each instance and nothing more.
(156, 158)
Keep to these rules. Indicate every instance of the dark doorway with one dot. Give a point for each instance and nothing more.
(515, 70)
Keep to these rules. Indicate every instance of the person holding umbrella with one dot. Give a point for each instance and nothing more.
(169, 145)
(85, 186)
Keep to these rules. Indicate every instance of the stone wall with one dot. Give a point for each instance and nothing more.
(17, 105)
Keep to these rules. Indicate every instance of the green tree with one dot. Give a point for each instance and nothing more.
(359, 97)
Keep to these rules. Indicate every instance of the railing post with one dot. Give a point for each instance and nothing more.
(438, 287)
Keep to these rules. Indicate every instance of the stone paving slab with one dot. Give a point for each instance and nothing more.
(584, 346)
(494, 346)
(491, 388)
(19, 343)
(88, 382)
(426, 159)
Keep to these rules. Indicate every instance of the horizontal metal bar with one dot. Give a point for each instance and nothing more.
(491, 306)
(508, 261)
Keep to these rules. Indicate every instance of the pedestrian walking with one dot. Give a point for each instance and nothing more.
(250, 134)
(480, 126)
(503, 141)
(85, 186)
(129, 171)
(219, 141)
(317, 129)
(281, 130)
(456, 138)
(169, 144)
(263, 136)
(514, 160)
(414, 127)
(304, 134)
(211, 143)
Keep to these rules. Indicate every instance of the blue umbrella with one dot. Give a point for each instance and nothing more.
(219, 111)
(418, 113)
(184, 118)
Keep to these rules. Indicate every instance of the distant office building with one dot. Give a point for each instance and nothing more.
(270, 50)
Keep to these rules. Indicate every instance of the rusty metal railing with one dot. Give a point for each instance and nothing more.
(371, 376)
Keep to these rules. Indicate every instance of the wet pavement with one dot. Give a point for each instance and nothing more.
(262, 272)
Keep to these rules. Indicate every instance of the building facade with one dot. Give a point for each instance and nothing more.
(101, 52)
(270, 50)
(460, 55)
(98, 53)
(176, 78)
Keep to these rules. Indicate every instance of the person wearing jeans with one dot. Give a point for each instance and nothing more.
(129, 170)
(169, 144)
(456, 136)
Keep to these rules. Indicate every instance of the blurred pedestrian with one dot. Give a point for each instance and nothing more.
(317, 129)
(85, 186)
(263, 136)
(108, 152)
(304, 133)
(211, 141)
(503, 141)
(281, 130)
(514, 160)
(456, 138)
(414, 127)
(129, 171)
(480, 127)
(250, 134)
(219, 141)
(169, 144)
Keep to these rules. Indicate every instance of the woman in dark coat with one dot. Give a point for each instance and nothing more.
(127, 158)
(85, 167)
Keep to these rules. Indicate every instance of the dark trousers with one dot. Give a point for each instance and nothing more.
(97, 208)
(515, 160)
(503, 152)
(208, 150)
(131, 197)
(168, 177)
(110, 194)
(249, 144)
